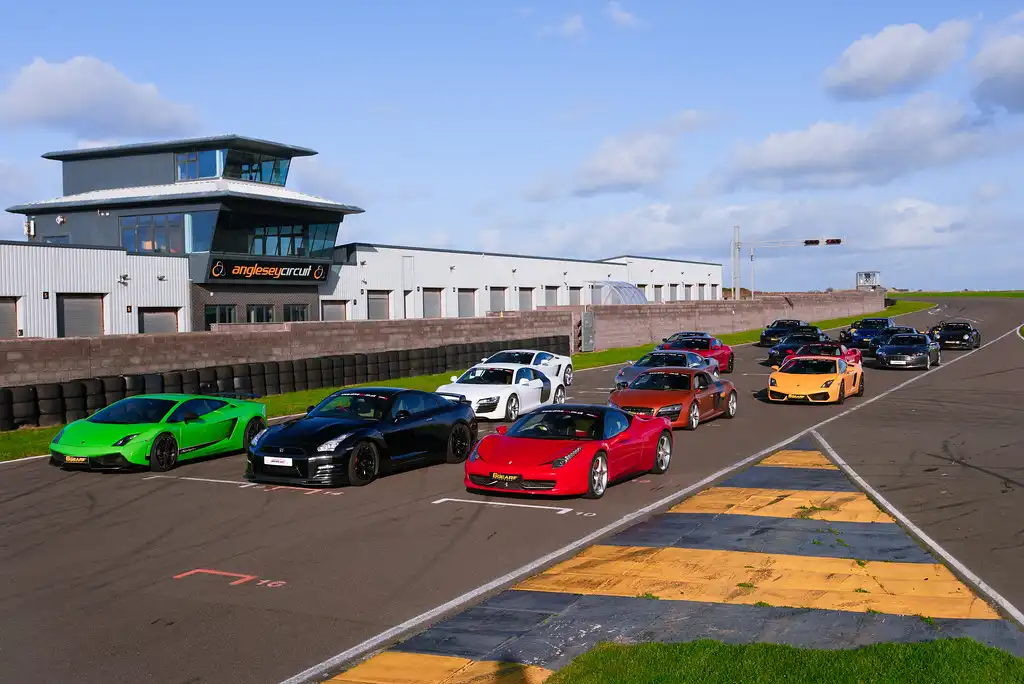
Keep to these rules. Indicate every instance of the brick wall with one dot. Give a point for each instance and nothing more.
(30, 361)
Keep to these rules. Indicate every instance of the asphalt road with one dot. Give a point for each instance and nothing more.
(96, 581)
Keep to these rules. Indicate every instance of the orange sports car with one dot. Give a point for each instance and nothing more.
(685, 396)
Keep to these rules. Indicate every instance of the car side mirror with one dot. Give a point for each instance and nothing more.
(309, 409)
(483, 360)
(190, 417)
(630, 363)
(664, 339)
(524, 382)
(775, 368)
(501, 429)
(401, 415)
(454, 378)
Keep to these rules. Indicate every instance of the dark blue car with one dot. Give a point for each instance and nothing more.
(861, 333)
(883, 337)
(909, 351)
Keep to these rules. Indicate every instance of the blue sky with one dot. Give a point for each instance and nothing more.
(580, 128)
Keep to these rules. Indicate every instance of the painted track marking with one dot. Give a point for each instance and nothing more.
(979, 584)
(317, 671)
(559, 509)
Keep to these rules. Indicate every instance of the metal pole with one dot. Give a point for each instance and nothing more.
(735, 263)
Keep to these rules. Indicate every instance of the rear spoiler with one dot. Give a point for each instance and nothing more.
(454, 398)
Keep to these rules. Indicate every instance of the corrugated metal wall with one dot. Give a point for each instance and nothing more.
(36, 274)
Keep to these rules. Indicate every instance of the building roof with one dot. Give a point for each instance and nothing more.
(650, 258)
(612, 261)
(232, 141)
(188, 191)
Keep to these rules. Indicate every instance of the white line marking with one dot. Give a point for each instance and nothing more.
(1019, 333)
(559, 509)
(978, 583)
(198, 479)
(23, 459)
(376, 642)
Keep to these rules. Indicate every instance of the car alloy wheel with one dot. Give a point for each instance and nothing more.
(598, 482)
(730, 408)
(458, 443)
(693, 418)
(928, 362)
(842, 392)
(251, 430)
(568, 376)
(164, 454)
(729, 366)
(512, 409)
(860, 385)
(663, 454)
(362, 468)
(559, 396)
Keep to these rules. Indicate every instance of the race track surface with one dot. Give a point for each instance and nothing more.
(114, 578)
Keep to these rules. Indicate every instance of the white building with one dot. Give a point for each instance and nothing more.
(373, 281)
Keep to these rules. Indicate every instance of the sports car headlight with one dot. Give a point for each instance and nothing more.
(967, 337)
(332, 444)
(489, 400)
(674, 409)
(559, 462)
(258, 437)
(124, 440)
(474, 455)
(771, 382)
(57, 437)
(827, 384)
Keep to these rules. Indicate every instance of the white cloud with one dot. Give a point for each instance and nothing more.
(989, 192)
(571, 27)
(635, 161)
(897, 59)
(999, 69)
(91, 99)
(925, 132)
(545, 189)
(87, 144)
(313, 177)
(620, 16)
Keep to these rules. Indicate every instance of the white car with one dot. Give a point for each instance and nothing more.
(504, 391)
(554, 366)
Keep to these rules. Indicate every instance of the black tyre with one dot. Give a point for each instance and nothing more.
(252, 429)
(842, 393)
(363, 464)
(559, 395)
(568, 376)
(732, 405)
(51, 407)
(49, 391)
(460, 441)
(663, 453)
(597, 477)
(70, 390)
(860, 385)
(692, 416)
(731, 364)
(512, 409)
(163, 454)
(72, 416)
(51, 420)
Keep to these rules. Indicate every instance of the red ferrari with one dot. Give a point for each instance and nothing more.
(708, 347)
(831, 349)
(569, 450)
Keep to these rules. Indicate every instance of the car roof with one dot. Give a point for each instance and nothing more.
(681, 370)
(519, 351)
(694, 333)
(679, 352)
(817, 357)
(503, 366)
(176, 396)
(376, 390)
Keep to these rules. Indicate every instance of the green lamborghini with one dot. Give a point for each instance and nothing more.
(155, 431)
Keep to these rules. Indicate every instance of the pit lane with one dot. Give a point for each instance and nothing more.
(89, 561)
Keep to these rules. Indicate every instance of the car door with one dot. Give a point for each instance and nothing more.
(719, 353)
(403, 431)
(705, 394)
(848, 372)
(528, 387)
(545, 362)
(624, 450)
(200, 424)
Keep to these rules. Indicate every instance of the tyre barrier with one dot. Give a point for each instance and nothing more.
(53, 404)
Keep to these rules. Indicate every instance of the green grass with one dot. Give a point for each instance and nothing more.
(35, 441)
(709, 662)
(981, 293)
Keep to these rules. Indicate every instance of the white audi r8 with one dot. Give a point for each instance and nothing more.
(503, 391)
(554, 366)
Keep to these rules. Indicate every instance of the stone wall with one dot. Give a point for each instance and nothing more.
(31, 361)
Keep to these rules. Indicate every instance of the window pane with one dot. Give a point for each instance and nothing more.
(282, 171)
(128, 239)
(272, 241)
(145, 236)
(260, 313)
(295, 312)
(207, 164)
(200, 231)
(160, 240)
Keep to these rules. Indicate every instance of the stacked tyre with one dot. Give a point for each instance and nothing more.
(95, 397)
(134, 385)
(272, 377)
(286, 377)
(241, 383)
(173, 383)
(301, 379)
(337, 371)
(50, 405)
(24, 406)
(225, 379)
(314, 375)
(258, 379)
(6, 410)
(207, 380)
(348, 363)
(113, 389)
(74, 404)
(190, 382)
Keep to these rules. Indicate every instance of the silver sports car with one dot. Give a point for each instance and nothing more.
(665, 359)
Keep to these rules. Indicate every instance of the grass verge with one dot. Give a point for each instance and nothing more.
(35, 441)
(1013, 294)
(964, 661)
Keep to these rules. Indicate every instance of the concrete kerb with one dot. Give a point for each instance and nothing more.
(582, 370)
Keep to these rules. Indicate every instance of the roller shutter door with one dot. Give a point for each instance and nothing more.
(550, 296)
(158, 321)
(431, 303)
(497, 299)
(79, 315)
(574, 296)
(526, 299)
(467, 303)
(378, 305)
(334, 311)
(8, 318)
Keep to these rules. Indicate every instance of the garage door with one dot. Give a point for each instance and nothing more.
(334, 311)
(79, 315)
(467, 303)
(8, 318)
(431, 302)
(526, 299)
(158, 321)
(497, 299)
(378, 305)
(551, 296)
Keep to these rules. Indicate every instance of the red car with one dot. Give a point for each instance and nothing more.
(831, 349)
(708, 347)
(569, 450)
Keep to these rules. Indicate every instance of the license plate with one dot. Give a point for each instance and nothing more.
(797, 396)
(277, 461)
(898, 363)
(75, 459)
(500, 477)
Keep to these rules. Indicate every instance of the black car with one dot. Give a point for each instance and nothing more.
(883, 336)
(356, 434)
(774, 333)
(667, 341)
(791, 343)
(909, 351)
(956, 335)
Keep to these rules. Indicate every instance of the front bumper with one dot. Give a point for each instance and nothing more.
(902, 362)
(325, 470)
(822, 396)
(127, 458)
(955, 344)
(539, 481)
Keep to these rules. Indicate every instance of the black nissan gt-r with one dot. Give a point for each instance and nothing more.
(956, 335)
(356, 434)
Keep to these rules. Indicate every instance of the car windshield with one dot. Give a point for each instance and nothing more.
(681, 335)
(907, 340)
(821, 350)
(353, 406)
(663, 360)
(874, 324)
(653, 380)
(563, 423)
(784, 324)
(799, 339)
(486, 376)
(520, 357)
(134, 411)
(800, 366)
(696, 343)
(956, 326)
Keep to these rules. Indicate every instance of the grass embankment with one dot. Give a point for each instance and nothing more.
(34, 441)
(709, 662)
(1013, 294)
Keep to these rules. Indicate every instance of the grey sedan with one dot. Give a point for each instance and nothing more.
(665, 359)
